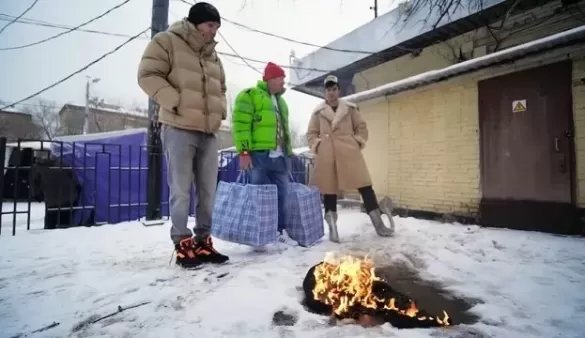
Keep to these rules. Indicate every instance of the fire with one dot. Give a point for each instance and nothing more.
(346, 284)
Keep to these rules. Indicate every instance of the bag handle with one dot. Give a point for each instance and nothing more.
(243, 177)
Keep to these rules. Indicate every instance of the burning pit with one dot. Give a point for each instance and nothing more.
(348, 288)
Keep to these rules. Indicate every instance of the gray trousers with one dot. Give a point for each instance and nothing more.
(191, 158)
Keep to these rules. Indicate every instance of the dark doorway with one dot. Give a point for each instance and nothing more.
(527, 162)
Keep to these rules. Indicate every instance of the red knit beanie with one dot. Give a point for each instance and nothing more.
(272, 71)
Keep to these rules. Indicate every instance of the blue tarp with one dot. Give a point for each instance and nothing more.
(112, 170)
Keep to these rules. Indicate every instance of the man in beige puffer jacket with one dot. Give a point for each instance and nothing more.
(182, 72)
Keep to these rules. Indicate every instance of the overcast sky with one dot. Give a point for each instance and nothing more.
(27, 70)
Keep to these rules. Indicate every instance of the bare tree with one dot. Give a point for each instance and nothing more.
(46, 116)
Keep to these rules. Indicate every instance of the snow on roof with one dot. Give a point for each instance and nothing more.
(12, 110)
(102, 135)
(564, 38)
(388, 30)
(77, 138)
(113, 110)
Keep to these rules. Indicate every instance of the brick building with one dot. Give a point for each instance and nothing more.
(102, 119)
(486, 123)
(15, 124)
(112, 118)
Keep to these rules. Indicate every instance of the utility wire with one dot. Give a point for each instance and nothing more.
(287, 38)
(264, 62)
(77, 71)
(297, 41)
(4, 17)
(52, 25)
(238, 54)
(69, 30)
(20, 16)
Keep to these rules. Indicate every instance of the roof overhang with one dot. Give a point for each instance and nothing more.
(571, 37)
(388, 37)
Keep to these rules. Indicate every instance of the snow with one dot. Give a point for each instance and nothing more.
(386, 31)
(225, 125)
(573, 35)
(78, 138)
(529, 284)
(116, 110)
(301, 150)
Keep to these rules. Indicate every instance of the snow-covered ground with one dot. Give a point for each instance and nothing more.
(37, 218)
(529, 284)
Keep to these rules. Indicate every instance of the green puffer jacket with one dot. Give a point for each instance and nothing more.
(254, 120)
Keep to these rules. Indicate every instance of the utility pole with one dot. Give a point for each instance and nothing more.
(375, 8)
(159, 23)
(87, 96)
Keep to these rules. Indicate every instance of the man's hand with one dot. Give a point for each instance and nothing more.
(245, 161)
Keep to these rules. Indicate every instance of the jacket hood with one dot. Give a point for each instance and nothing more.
(189, 33)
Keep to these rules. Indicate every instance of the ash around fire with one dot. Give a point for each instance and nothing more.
(285, 317)
(396, 295)
(431, 296)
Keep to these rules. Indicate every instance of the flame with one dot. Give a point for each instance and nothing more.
(347, 282)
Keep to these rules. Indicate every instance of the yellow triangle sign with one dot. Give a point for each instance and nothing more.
(519, 106)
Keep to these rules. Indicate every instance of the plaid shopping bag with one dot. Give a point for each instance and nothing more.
(304, 216)
(245, 213)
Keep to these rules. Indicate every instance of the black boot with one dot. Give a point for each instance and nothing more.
(185, 256)
(206, 253)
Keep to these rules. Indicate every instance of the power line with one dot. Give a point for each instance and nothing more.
(70, 29)
(289, 39)
(297, 41)
(236, 52)
(20, 16)
(264, 62)
(58, 26)
(77, 71)
(53, 25)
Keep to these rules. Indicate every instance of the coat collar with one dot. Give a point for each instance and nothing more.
(334, 117)
(263, 85)
(192, 37)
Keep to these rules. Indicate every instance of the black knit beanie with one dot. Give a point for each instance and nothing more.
(203, 12)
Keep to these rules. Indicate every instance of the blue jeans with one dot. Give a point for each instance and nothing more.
(267, 170)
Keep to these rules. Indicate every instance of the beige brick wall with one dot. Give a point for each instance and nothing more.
(375, 113)
(424, 144)
(437, 56)
(579, 118)
(433, 149)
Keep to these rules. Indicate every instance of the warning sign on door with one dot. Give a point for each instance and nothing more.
(519, 106)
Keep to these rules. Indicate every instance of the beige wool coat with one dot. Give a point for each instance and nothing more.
(185, 77)
(336, 139)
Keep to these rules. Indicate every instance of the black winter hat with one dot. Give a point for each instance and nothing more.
(203, 12)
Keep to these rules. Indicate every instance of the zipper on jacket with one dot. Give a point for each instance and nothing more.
(279, 118)
(204, 92)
